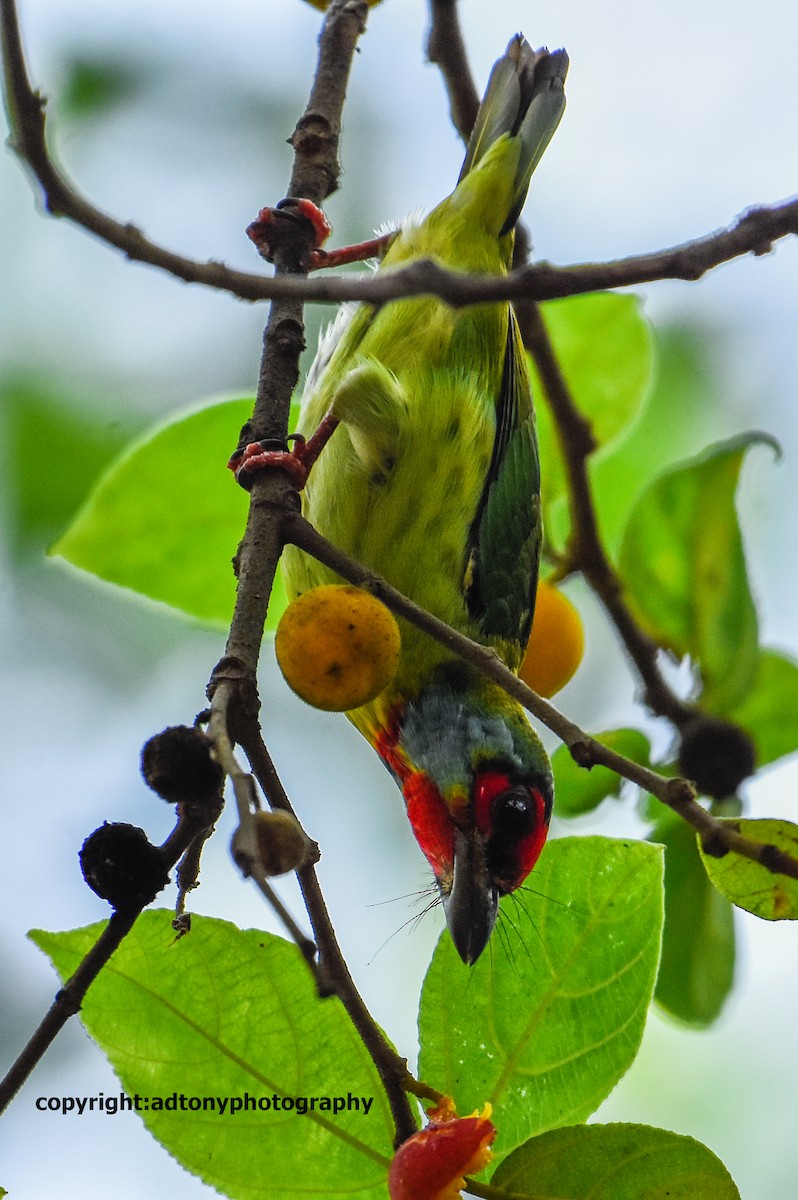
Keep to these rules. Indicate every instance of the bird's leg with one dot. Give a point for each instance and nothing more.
(259, 456)
(269, 233)
(273, 225)
(358, 252)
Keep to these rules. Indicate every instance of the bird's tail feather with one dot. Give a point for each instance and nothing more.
(525, 97)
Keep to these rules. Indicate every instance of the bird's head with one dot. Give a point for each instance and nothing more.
(478, 789)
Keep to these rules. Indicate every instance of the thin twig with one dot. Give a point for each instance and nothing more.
(586, 551)
(191, 824)
(446, 49)
(305, 944)
(228, 697)
(225, 712)
(332, 970)
(232, 687)
(678, 794)
(188, 871)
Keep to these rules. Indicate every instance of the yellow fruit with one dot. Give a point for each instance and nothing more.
(556, 643)
(337, 646)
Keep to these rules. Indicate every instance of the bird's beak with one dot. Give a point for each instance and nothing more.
(473, 902)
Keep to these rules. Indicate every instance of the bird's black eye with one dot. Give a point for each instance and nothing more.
(512, 815)
(518, 831)
(513, 820)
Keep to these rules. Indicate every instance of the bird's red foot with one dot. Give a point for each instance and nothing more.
(247, 461)
(272, 225)
(258, 456)
(373, 248)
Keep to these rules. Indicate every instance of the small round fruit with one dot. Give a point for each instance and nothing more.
(716, 755)
(556, 643)
(281, 843)
(177, 764)
(120, 864)
(337, 646)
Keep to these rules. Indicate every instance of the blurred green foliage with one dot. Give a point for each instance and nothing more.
(54, 453)
(92, 87)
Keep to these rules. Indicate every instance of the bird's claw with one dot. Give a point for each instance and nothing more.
(258, 456)
(272, 225)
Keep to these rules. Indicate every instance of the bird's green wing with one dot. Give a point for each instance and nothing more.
(505, 540)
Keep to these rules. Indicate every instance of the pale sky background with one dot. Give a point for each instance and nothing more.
(680, 115)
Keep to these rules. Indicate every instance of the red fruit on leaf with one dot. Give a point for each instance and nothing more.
(432, 1164)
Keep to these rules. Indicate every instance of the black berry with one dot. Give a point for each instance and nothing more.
(122, 866)
(177, 764)
(716, 755)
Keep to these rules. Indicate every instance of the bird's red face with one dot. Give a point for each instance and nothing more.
(513, 820)
(478, 794)
(480, 847)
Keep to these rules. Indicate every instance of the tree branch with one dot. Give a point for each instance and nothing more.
(755, 232)
(232, 687)
(315, 173)
(192, 823)
(330, 971)
(678, 794)
(445, 48)
(586, 551)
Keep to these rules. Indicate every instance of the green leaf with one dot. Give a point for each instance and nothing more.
(615, 1162)
(36, 419)
(676, 417)
(577, 790)
(604, 348)
(684, 571)
(751, 886)
(225, 1013)
(166, 518)
(696, 971)
(545, 1025)
(768, 711)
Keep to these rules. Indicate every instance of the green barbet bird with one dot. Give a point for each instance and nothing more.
(432, 480)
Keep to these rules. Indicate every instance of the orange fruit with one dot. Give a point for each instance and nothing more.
(337, 646)
(556, 642)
